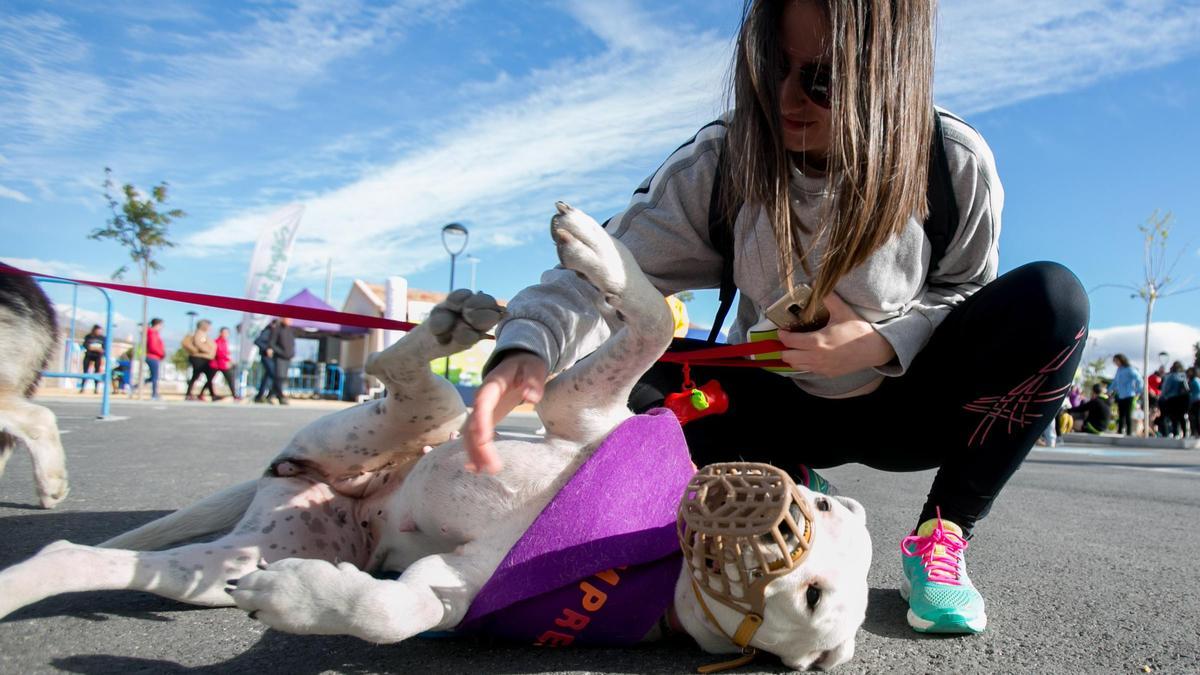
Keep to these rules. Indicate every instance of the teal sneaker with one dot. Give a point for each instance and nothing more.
(940, 595)
(814, 481)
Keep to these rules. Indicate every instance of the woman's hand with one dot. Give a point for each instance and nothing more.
(846, 344)
(519, 377)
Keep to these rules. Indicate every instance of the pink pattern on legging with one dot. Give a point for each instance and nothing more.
(1014, 407)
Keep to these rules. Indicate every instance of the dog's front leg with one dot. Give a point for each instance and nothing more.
(421, 408)
(316, 597)
(36, 427)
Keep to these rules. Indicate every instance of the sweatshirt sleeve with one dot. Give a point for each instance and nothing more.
(972, 258)
(665, 227)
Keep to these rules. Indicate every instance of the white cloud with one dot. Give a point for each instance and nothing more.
(56, 268)
(1176, 339)
(994, 54)
(505, 167)
(9, 193)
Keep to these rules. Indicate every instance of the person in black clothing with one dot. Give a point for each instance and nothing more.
(283, 348)
(1096, 412)
(266, 356)
(93, 356)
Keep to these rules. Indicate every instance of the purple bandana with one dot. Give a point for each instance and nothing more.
(598, 566)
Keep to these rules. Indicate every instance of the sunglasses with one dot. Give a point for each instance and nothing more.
(816, 81)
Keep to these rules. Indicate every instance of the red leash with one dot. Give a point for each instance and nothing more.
(236, 304)
(727, 355)
(730, 355)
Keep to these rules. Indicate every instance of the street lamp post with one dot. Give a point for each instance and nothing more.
(474, 262)
(454, 240)
(191, 314)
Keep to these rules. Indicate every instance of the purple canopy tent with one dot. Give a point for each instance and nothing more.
(306, 299)
(323, 378)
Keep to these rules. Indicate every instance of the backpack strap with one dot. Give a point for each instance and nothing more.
(942, 223)
(940, 226)
(720, 234)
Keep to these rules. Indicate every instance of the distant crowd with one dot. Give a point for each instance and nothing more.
(207, 357)
(1173, 396)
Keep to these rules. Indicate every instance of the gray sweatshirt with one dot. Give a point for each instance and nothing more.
(665, 227)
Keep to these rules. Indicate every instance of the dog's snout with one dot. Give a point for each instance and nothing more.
(562, 207)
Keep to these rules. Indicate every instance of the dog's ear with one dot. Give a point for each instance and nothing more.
(822, 660)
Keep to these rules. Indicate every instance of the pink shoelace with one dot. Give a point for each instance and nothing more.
(940, 551)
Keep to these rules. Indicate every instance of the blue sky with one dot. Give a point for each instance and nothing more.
(389, 120)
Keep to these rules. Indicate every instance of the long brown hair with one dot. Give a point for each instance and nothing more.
(882, 125)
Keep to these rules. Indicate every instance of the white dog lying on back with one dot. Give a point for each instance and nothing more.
(321, 513)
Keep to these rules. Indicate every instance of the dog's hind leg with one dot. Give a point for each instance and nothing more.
(288, 517)
(590, 398)
(36, 428)
(214, 513)
(421, 408)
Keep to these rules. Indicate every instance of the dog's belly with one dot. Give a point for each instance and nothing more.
(440, 505)
(301, 518)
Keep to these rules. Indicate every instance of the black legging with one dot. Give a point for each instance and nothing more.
(91, 364)
(971, 404)
(201, 366)
(1125, 416)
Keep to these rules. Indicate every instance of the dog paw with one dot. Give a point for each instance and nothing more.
(304, 596)
(56, 491)
(584, 247)
(463, 318)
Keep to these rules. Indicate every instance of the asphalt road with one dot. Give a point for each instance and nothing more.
(1089, 563)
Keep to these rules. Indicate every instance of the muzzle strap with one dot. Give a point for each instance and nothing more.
(741, 637)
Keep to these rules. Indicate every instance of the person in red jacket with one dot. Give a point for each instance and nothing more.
(1154, 383)
(155, 353)
(224, 365)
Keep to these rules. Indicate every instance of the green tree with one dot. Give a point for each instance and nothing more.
(180, 360)
(1159, 280)
(142, 228)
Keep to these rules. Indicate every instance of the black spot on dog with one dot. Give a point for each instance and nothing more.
(243, 558)
(289, 518)
(269, 528)
(274, 546)
(352, 436)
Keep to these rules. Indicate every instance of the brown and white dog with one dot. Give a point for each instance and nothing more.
(359, 491)
(27, 333)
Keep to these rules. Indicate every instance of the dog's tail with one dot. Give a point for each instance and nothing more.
(218, 512)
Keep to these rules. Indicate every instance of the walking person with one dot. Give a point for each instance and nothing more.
(93, 356)
(201, 349)
(1193, 377)
(266, 358)
(155, 353)
(283, 348)
(1126, 387)
(821, 175)
(1174, 401)
(223, 364)
(1154, 383)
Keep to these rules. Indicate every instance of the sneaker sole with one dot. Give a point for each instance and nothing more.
(920, 625)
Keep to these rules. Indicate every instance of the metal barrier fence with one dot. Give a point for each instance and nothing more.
(104, 377)
(305, 379)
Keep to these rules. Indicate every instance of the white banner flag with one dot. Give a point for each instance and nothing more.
(268, 269)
